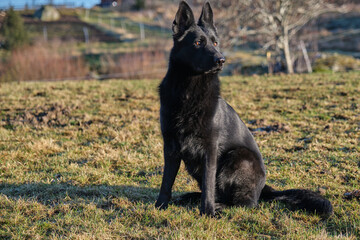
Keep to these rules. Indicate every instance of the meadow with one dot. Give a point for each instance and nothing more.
(83, 159)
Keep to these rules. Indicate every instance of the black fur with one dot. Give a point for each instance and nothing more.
(201, 129)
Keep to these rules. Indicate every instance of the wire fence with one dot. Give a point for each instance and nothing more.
(103, 44)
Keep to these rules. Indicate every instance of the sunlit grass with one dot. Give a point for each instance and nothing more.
(83, 160)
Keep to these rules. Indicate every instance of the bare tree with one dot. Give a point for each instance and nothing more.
(274, 22)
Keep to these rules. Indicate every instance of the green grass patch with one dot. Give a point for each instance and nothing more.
(83, 159)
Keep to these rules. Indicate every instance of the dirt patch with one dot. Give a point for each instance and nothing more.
(296, 148)
(54, 115)
(339, 117)
(260, 126)
(353, 194)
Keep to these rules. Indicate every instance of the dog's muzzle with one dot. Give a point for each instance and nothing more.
(220, 61)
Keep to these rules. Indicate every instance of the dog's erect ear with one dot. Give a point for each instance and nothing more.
(184, 18)
(206, 18)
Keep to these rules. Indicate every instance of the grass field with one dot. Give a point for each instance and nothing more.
(83, 160)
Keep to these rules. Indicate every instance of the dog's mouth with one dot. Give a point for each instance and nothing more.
(215, 69)
(209, 70)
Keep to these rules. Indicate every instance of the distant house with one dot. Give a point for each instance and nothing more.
(47, 13)
(123, 5)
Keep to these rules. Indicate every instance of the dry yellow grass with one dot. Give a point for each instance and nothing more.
(83, 160)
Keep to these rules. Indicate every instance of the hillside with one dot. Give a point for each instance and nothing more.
(83, 159)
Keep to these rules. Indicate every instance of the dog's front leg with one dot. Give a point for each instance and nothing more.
(208, 183)
(171, 168)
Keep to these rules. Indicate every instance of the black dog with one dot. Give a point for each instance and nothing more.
(201, 129)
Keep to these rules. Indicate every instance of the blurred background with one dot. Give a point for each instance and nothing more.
(48, 40)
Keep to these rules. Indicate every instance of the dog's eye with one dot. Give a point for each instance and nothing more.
(197, 43)
(215, 44)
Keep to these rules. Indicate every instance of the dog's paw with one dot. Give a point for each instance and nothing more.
(208, 211)
(161, 205)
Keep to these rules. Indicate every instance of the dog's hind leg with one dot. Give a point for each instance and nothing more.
(240, 178)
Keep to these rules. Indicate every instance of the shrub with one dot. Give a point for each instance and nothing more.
(336, 63)
(13, 30)
(139, 4)
(43, 62)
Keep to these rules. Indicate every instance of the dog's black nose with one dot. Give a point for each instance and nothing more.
(220, 61)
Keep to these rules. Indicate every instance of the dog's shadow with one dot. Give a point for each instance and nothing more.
(101, 195)
(50, 194)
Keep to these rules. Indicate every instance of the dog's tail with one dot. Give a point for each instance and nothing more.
(299, 199)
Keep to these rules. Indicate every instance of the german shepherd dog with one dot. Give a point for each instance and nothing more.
(200, 128)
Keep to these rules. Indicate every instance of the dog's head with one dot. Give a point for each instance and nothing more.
(196, 45)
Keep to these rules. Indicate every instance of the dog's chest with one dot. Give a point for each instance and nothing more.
(193, 152)
(187, 112)
(192, 128)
